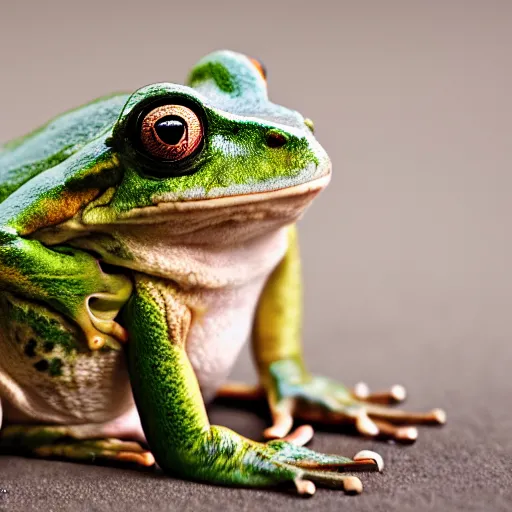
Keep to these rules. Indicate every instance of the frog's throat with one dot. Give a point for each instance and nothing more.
(158, 211)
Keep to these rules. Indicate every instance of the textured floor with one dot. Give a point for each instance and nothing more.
(466, 465)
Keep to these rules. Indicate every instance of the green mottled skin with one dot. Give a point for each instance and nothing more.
(24, 438)
(45, 327)
(53, 143)
(72, 286)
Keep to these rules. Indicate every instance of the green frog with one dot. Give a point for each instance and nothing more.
(143, 239)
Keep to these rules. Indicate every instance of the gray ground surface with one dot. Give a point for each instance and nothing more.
(466, 465)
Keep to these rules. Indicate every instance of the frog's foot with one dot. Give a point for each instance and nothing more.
(65, 443)
(371, 414)
(233, 459)
(93, 450)
(322, 469)
(322, 401)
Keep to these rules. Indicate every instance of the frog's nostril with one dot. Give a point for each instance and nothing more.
(276, 139)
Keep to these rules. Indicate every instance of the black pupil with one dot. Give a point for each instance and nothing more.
(170, 129)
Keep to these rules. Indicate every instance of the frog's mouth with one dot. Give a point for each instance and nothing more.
(291, 198)
(216, 220)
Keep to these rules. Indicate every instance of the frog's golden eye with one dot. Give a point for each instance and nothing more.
(171, 132)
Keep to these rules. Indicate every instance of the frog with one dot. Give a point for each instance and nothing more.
(144, 239)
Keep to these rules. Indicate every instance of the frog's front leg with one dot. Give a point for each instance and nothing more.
(293, 393)
(69, 280)
(174, 418)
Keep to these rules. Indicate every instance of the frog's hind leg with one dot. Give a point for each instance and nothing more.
(93, 442)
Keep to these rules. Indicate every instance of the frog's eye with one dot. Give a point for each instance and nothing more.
(171, 132)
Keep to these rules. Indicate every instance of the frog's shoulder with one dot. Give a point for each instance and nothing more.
(27, 156)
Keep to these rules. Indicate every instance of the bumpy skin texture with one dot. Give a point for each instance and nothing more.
(174, 234)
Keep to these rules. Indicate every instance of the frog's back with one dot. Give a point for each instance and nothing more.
(54, 142)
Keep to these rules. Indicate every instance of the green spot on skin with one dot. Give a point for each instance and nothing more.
(43, 326)
(216, 72)
(55, 367)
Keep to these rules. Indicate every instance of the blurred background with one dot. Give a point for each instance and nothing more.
(407, 254)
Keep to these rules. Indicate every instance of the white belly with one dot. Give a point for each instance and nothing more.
(223, 286)
(216, 337)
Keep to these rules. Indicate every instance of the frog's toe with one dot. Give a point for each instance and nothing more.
(384, 416)
(364, 424)
(395, 395)
(300, 436)
(368, 455)
(376, 428)
(403, 435)
(307, 488)
(326, 470)
(126, 451)
(282, 419)
(397, 425)
(310, 460)
(400, 417)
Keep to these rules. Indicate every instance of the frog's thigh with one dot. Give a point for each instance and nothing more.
(89, 443)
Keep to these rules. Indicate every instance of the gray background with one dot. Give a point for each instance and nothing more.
(406, 254)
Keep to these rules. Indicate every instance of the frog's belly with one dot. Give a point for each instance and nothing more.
(219, 332)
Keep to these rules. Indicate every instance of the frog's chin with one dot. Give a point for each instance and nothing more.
(248, 206)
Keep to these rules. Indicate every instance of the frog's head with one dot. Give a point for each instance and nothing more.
(218, 142)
